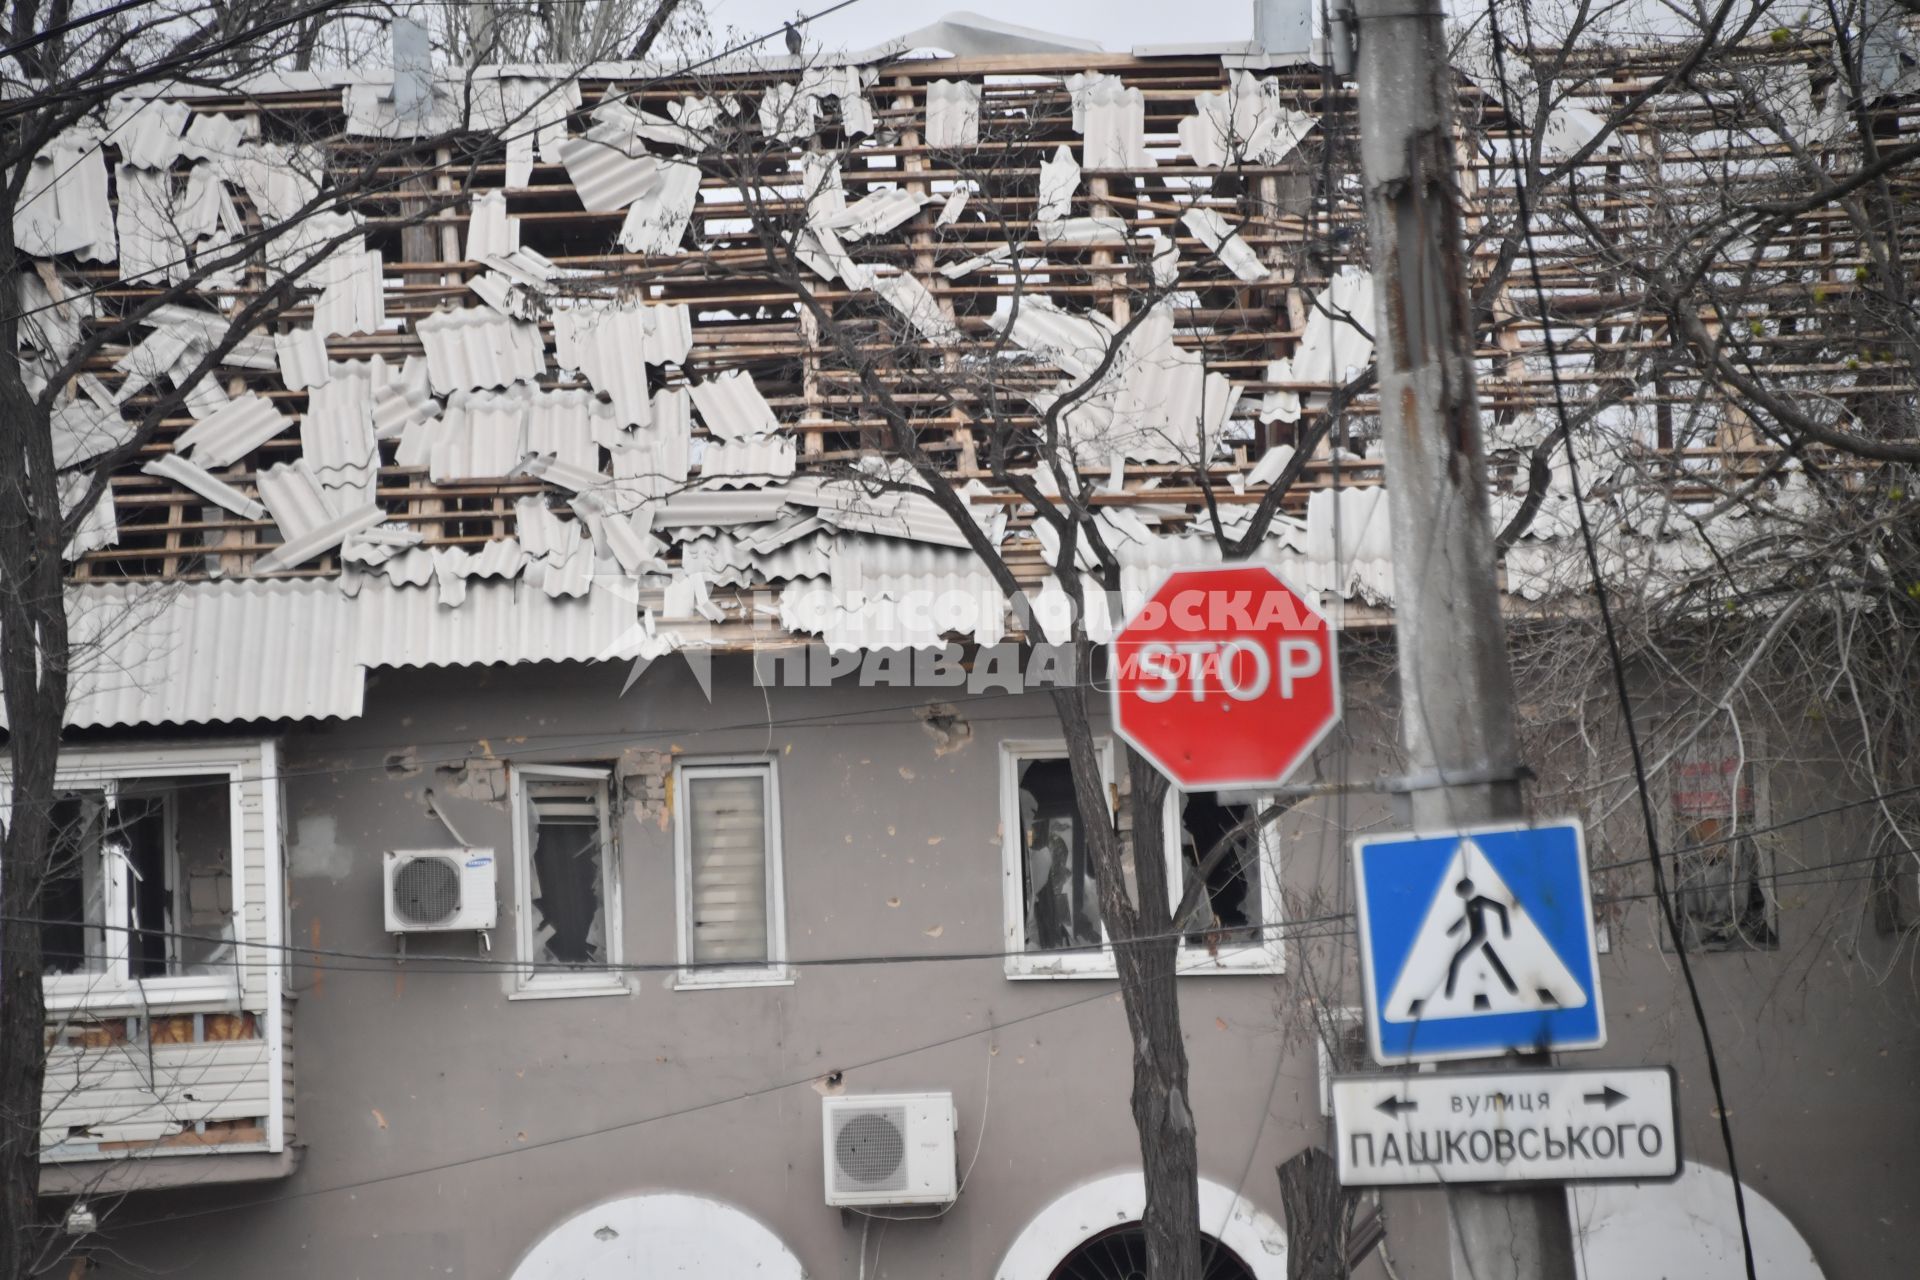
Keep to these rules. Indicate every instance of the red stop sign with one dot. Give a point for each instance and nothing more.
(1226, 678)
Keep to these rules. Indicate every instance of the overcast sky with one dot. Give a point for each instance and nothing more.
(1117, 25)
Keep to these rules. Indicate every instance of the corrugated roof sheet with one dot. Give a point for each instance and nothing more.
(248, 421)
(612, 345)
(891, 514)
(336, 431)
(490, 228)
(568, 571)
(353, 294)
(476, 347)
(63, 205)
(500, 622)
(209, 486)
(1236, 254)
(175, 663)
(732, 407)
(99, 528)
(917, 305)
(1113, 120)
(659, 215)
(609, 167)
(953, 113)
(1059, 180)
(156, 225)
(487, 434)
(1246, 124)
(874, 214)
(255, 351)
(151, 358)
(901, 595)
(306, 515)
(303, 358)
(702, 508)
(735, 464)
(786, 113)
(1330, 343)
(1074, 343)
(83, 430)
(308, 644)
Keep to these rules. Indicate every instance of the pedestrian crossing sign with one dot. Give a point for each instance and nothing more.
(1477, 942)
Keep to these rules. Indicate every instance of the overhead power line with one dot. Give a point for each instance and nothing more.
(1656, 864)
(71, 24)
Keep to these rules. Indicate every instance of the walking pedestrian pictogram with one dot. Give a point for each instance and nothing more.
(1479, 952)
(1478, 942)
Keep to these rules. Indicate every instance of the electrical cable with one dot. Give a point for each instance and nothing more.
(1618, 663)
(628, 1125)
(85, 19)
(487, 964)
(158, 69)
(549, 743)
(388, 962)
(1304, 927)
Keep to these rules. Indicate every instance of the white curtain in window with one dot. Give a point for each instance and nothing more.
(727, 852)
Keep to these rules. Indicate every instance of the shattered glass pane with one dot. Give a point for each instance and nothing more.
(1720, 890)
(73, 900)
(1222, 840)
(568, 865)
(1063, 905)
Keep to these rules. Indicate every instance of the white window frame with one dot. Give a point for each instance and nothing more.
(1020, 962)
(116, 991)
(586, 980)
(1266, 957)
(777, 971)
(1269, 955)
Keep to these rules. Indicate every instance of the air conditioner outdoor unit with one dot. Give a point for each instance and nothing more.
(439, 890)
(890, 1149)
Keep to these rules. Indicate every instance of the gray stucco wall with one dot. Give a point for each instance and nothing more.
(893, 847)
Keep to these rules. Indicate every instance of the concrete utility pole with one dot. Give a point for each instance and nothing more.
(1456, 692)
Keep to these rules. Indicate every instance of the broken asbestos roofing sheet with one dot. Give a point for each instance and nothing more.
(595, 389)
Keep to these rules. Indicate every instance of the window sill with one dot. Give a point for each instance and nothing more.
(161, 995)
(1190, 964)
(724, 979)
(570, 991)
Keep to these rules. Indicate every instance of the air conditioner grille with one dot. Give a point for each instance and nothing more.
(427, 890)
(870, 1150)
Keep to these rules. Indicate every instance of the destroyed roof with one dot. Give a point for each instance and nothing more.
(586, 416)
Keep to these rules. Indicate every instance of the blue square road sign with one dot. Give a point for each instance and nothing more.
(1477, 942)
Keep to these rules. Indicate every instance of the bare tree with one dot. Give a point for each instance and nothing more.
(151, 252)
(1052, 397)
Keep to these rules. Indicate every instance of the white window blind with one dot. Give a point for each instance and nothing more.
(728, 867)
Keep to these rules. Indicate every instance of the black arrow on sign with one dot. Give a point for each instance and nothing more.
(1395, 1107)
(1609, 1097)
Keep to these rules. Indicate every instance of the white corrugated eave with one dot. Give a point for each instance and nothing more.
(229, 651)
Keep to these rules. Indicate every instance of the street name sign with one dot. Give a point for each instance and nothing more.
(1226, 678)
(1552, 1125)
(1477, 942)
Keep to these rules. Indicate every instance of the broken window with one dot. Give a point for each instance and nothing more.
(1722, 874)
(1220, 843)
(1215, 840)
(567, 900)
(1062, 900)
(1721, 888)
(140, 883)
(73, 903)
(728, 849)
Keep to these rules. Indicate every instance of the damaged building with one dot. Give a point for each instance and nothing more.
(497, 676)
